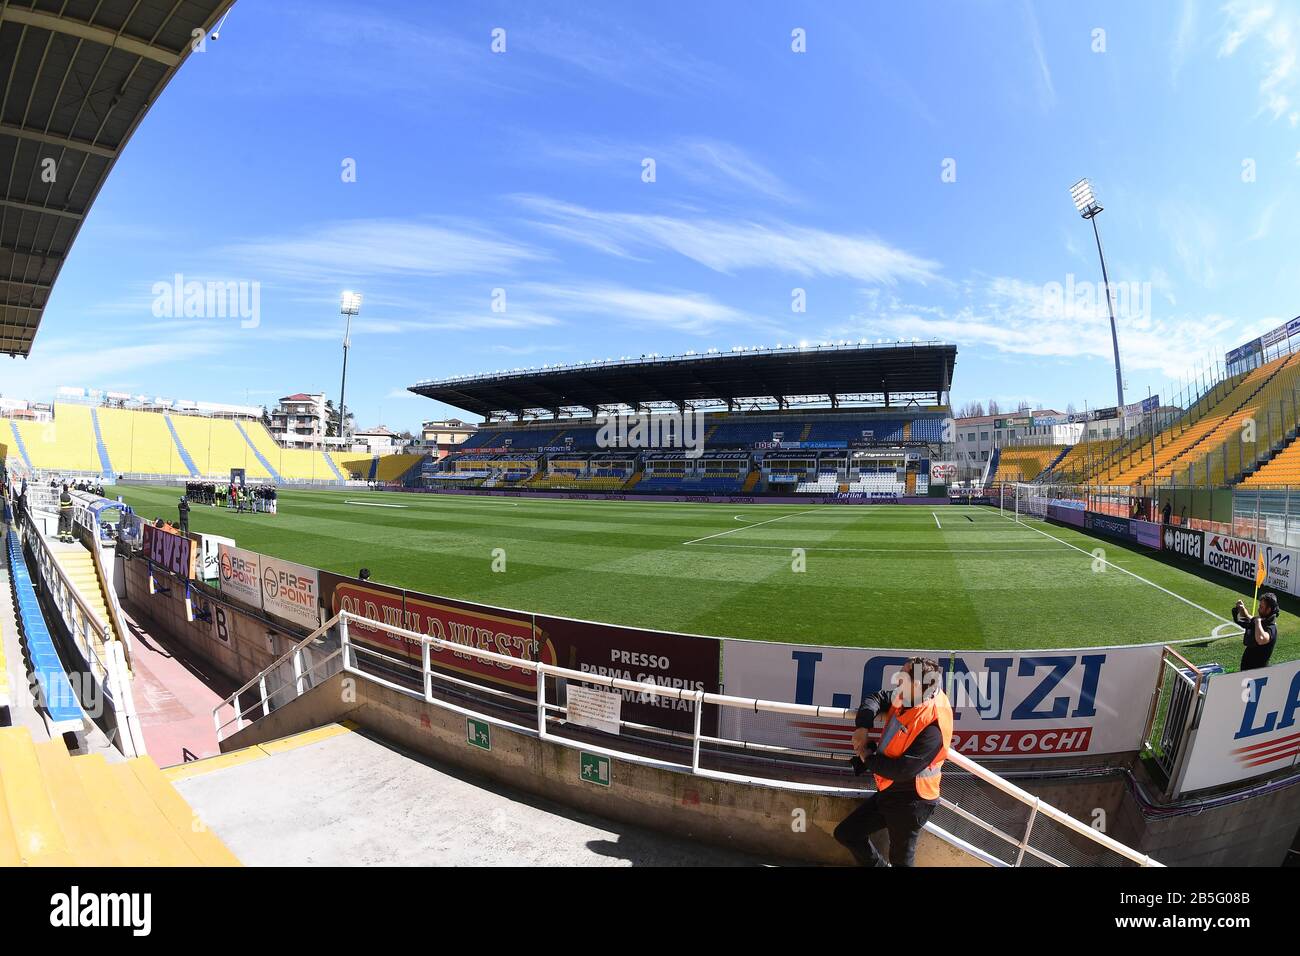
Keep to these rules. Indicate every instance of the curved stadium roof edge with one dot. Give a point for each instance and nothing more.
(80, 75)
(893, 370)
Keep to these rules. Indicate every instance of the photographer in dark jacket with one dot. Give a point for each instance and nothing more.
(906, 764)
(1259, 633)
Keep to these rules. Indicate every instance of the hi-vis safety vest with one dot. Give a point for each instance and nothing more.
(901, 729)
(65, 502)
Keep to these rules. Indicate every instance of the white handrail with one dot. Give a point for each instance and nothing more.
(348, 651)
(85, 626)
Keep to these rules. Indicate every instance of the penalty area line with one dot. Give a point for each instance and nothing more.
(370, 504)
(1190, 603)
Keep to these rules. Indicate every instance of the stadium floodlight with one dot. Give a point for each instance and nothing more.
(1086, 203)
(349, 305)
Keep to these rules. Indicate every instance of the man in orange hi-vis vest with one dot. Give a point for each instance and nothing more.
(906, 763)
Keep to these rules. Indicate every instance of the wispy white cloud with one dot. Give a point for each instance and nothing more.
(1184, 38)
(1046, 89)
(734, 245)
(707, 163)
(353, 250)
(683, 311)
(1272, 32)
(1015, 317)
(1194, 240)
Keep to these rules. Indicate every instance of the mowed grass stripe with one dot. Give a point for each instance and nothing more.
(897, 580)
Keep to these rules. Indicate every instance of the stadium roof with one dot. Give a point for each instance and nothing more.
(78, 76)
(829, 374)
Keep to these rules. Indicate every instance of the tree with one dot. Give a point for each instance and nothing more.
(332, 420)
(971, 410)
(1023, 406)
(993, 407)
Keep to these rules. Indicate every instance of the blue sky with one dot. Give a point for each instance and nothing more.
(774, 171)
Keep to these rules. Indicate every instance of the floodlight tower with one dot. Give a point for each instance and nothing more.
(349, 305)
(1086, 203)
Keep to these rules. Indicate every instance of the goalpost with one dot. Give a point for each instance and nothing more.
(1030, 501)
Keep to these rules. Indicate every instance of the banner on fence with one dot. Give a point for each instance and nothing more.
(169, 550)
(241, 574)
(1146, 533)
(458, 622)
(1248, 727)
(1185, 543)
(656, 657)
(1239, 556)
(291, 591)
(1109, 525)
(1006, 704)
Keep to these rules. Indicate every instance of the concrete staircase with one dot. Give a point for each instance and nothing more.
(60, 810)
(80, 569)
(105, 463)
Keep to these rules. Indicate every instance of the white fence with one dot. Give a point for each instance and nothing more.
(329, 649)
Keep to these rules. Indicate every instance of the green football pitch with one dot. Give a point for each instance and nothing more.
(954, 577)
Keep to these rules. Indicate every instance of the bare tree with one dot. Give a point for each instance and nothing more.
(993, 407)
(971, 410)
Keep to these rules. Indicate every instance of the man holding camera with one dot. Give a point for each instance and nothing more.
(1259, 633)
(906, 764)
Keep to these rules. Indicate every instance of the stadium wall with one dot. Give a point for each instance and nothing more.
(732, 814)
(240, 640)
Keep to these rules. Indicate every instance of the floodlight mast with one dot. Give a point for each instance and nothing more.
(349, 305)
(1086, 203)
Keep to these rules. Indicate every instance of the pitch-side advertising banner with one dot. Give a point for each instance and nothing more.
(458, 622)
(241, 574)
(1250, 726)
(1010, 704)
(656, 657)
(1185, 543)
(290, 591)
(943, 472)
(169, 550)
(1238, 556)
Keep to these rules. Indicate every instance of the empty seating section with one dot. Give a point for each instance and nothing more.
(65, 444)
(1081, 460)
(1190, 439)
(1283, 470)
(826, 483)
(61, 810)
(139, 443)
(1025, 463)
(215, 445)
(880, 483)
(721, 431)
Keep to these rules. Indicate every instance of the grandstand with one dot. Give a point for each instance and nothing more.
(857, 420)
(1026, 462)
(110, 441)
(1194, 447)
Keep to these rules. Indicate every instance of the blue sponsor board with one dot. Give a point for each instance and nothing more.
(1110, 526)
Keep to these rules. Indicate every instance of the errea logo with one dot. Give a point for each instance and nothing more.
(76, 909)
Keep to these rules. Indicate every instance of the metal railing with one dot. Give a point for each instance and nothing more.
(102, 657)
(329, 650)
(1174, 712)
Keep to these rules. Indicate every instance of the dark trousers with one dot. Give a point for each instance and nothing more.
(185, 524)
(903, 817)
(65, 522)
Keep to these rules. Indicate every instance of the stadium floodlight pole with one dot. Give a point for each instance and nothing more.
(349, 305)
(1086, 203)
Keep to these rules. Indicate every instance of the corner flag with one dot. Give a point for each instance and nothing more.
(1261, 573)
